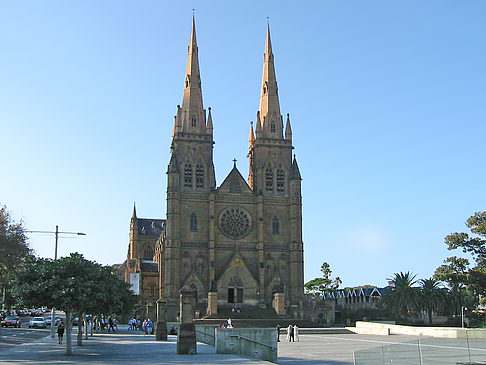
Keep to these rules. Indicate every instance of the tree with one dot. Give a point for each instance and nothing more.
(401, 296)
(72, 284)
(431, 297)
(13, 248)
(456, 272)
(319, 286)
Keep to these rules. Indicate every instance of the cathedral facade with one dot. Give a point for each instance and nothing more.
(241, 241)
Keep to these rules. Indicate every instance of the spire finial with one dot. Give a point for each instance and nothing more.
(134, 215)
(234, 163)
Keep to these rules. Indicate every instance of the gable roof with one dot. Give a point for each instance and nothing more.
(235, 183)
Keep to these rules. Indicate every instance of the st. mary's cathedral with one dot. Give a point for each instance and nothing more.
(236, 244)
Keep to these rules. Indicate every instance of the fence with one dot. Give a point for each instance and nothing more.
(426, 351)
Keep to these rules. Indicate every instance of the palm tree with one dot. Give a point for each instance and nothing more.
(431, 296)
(401, 296)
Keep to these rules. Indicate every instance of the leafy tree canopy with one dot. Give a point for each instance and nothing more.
(13, 246)
(456, 271)
(325, 284)
(72, 284)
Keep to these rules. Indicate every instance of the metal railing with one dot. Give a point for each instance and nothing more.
(253, 341)
(425, 351)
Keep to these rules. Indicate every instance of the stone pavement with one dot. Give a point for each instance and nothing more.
(132, 347)
(123, 347)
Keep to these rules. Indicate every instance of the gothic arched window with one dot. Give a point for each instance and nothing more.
(193, 121)
(188, 175)
(272, 127)
(280, 179)
(193, 222)
(199, 176)
(148, 253)
(275, 225)
(269, 179)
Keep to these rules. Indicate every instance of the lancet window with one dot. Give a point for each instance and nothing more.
(275, 225)
(193, 222)
(199, 176)
(280, 180)
(188, 175)
(269, 179)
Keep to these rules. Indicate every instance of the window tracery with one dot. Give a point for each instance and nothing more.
(235, 223)
(269, 179)
(199, 176)
(280, 179)
(188, 175)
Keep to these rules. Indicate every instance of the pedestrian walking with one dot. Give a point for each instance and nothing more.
(111, 324)
(60, 331)
(150, 327)
(278, 333)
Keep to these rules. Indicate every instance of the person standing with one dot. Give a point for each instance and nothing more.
(278, 333)
(60, 331)
(296, 333)
(291, 333)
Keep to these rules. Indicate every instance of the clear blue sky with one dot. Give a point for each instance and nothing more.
(387, 101)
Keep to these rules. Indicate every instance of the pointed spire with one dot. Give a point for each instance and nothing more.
(192, 113)
(173, 165)
(134, 214)
(251, 139)
(269, 104)
(209, 126)
(294, 170)
(288, 129)
(175, 127)
(258, 126)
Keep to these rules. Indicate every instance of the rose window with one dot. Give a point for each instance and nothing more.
(235, 223)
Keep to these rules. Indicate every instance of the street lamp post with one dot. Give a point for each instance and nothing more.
(56, 233)
(463, 309)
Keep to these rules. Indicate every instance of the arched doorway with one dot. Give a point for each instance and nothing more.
(235, 290)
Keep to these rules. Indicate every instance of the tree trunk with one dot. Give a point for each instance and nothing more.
(79, 339)
(430, 316)
(69, 350)
(85, 328)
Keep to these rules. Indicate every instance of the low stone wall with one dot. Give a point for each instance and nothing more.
(260, 343)
(206, 334)
(372, 328)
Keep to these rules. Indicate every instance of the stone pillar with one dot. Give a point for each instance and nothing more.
(212, 304)
(279, 303)
(161, 330)
(186, 338)
(150, 311)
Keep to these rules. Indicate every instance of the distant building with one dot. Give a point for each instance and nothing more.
(241, 240)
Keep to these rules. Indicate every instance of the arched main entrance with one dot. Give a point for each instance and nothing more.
(235, 290)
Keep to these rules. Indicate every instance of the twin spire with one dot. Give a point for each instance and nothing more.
(191, 117)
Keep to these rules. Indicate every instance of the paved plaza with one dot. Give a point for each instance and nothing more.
(127, 347)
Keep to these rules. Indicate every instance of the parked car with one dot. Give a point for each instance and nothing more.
(37, 322)
(11, 321)
(56, 320)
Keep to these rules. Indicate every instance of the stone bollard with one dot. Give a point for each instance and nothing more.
(161, 330)
(212, 303)
(186, 338)
(279, 303)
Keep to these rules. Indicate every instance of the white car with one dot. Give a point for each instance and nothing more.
(37, 322)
